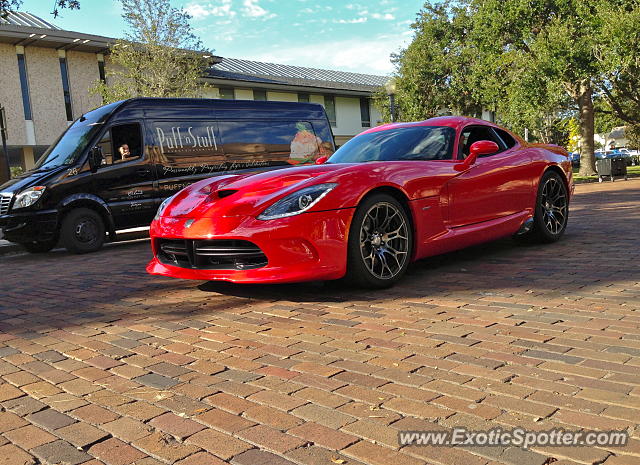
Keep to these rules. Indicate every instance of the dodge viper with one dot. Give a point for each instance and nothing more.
(391, 195)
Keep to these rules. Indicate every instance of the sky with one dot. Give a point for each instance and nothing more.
(357, 36)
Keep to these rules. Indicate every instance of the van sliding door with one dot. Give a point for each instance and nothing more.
(269, 144)
(185, 152)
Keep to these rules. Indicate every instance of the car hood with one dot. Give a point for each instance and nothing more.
(31, 178)
(249, 194)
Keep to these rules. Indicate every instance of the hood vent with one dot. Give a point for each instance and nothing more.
(226, 193)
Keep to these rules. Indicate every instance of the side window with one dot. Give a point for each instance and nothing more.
(127, 142)
(507, 138)
(473, 134)
(121, 143)
(273, 142)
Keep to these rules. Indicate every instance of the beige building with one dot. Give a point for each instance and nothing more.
(46, 74)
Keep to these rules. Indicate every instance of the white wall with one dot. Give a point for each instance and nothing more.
(244, 94)
(348, 118)
(282, 96)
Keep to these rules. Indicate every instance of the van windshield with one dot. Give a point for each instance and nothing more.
(72, 143)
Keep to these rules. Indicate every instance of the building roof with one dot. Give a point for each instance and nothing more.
(234, 69)
(617, 133)
(20, 18)
(21, 28)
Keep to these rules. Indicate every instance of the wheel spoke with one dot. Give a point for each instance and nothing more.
(384, 240)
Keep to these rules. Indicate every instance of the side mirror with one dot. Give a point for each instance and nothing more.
(95, 158)
(477, 149)
(321, 160)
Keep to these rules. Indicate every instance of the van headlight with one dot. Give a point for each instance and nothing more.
(296, 203)
(162, 206)
(28, 197)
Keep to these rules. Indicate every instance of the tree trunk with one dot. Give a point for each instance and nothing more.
(585, 106)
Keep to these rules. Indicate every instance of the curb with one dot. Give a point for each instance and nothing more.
(9, 248)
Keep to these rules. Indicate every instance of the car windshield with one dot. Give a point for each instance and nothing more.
(71, 143)
(407, 143)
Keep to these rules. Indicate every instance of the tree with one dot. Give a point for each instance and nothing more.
(12, 5)
(536, 62)
(159, 57)
(552, 41)
(619, 54)
(434, 71)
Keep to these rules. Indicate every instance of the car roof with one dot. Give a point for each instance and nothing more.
(454, 122)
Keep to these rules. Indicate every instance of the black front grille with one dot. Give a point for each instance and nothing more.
(211, 254)
(5, 201)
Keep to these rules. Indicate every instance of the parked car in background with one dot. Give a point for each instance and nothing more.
(391, 195)
(575, 159)
(114, 165)
(632, 157)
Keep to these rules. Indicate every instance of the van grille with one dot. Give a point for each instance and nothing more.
(5, 201)
(211, 254)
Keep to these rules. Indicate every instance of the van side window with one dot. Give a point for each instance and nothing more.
(121, 143)
(127, 142)
(277, 142)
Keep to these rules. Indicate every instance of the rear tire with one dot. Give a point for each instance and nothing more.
(82, 231)
(39, 246)
(551, 211)
(380, 243)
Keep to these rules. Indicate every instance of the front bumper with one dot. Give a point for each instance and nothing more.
(29, 226)
(306, 247)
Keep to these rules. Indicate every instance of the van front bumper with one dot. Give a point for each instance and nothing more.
(29, 226)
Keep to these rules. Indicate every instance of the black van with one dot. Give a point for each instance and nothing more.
(112, 167)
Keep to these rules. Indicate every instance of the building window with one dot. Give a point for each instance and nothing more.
(64, 72)
(330, 108)
(260, 95)
(303, 98)
(227, 93)
(103, 76)
(365, 115)
(24, 84)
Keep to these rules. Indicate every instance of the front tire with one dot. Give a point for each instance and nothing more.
(380, 243)
(82, 231)
(552, 209)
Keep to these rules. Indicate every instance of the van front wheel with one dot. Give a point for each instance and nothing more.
(82, 231)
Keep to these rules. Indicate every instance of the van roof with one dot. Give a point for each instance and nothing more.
(218, 104)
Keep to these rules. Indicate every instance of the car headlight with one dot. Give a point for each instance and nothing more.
(162, 206)
(28, 197)
(296, 203)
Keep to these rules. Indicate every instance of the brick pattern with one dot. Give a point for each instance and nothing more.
(107, 365)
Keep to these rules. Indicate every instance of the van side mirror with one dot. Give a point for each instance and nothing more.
(95, 158)
(321, 160)
(477, 149)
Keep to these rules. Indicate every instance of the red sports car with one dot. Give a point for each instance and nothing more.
(391, 195)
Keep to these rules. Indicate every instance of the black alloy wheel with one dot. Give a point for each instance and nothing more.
(380, 242)
(551, 211)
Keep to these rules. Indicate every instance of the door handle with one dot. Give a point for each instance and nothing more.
(143, 171)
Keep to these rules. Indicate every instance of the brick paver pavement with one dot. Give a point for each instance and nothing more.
(101, 363)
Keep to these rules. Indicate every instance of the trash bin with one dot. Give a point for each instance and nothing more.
(612, 167)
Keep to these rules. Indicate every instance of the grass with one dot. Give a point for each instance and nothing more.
(632, 172)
